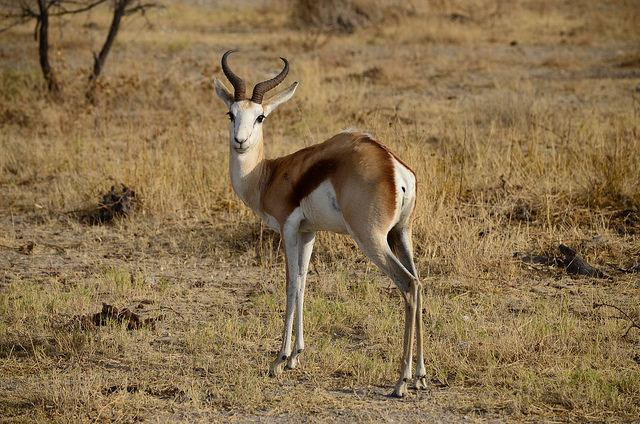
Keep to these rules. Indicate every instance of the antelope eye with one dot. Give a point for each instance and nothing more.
(260, 118)
(231, 117)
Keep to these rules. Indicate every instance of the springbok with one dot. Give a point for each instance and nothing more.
(347, 184)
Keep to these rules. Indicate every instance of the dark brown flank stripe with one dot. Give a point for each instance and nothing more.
(311, 179)
(339, 157)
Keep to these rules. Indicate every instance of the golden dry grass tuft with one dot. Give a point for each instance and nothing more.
(521, 120)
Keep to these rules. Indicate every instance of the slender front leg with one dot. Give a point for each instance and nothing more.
(292, 247)
(306, 247)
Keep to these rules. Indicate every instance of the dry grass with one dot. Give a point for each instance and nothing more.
(521, 120)
(334, 16)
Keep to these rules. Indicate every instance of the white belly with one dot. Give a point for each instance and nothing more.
(321, 211)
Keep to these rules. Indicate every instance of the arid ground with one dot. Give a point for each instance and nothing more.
(520, 119)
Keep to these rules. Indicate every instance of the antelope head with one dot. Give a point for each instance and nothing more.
(247, 115)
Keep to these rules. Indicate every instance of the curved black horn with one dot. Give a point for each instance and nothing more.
(263, 87)
(236, 81)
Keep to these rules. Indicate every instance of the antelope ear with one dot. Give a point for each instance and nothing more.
(270, 104)
(223, 92)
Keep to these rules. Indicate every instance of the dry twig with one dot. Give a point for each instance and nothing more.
(625, 315)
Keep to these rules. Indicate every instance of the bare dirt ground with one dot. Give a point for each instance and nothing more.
(520, 120)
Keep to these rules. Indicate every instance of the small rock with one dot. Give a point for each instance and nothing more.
(165, 337)
(463, 346)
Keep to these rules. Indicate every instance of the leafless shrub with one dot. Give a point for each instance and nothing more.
(114, 204)
(110, 313)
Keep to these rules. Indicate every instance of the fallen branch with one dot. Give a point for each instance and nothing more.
(165, 308)
(572, 262)
(631, 269)
(537, 259)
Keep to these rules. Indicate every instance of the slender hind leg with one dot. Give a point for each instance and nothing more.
(400, 242)
(421, 371)
(378, 250)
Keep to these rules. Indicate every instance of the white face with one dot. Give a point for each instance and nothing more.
(246, 116)
(246, 125)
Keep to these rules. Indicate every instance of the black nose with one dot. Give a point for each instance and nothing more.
(238, 141)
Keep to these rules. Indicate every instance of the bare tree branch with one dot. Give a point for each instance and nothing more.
(64, 11)
(98, 60)
(21, 11)
(632, 322)
(13, 24)
(42, 27)
(121, 9)
(16, 14)
(142, 7)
